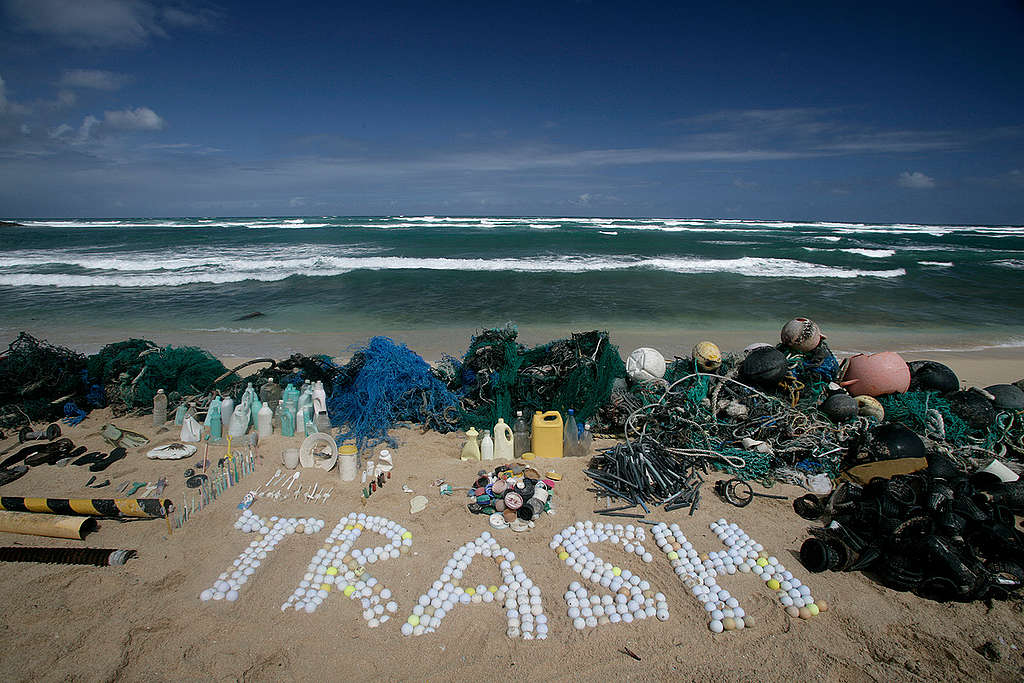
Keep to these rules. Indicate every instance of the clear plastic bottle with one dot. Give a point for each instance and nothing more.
(264, 419)
(571, 440)
(227, 409)
(520, 435)
(277, 415)
(179, 413)
(159, 408)
(288, 421)
(586, 441)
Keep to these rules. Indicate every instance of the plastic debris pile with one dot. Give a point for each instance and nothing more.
(512, 495)
(937, 532)
(498, 375)
(386, 383)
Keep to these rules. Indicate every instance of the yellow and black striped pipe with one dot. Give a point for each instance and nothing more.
(96, 507)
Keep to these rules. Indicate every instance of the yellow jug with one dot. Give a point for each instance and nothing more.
(547, 434)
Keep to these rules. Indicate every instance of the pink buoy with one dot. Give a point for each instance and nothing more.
(876, 374)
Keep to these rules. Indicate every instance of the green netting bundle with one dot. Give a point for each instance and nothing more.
(186, 370)
(498, 376)
(911, 410)
(106, 366)
(33, 375)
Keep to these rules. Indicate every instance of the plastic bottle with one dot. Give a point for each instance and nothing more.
(287, 421)
(305, 406)
(277, 415)
(586, 441)
(521, 436)
(213, 419)
(471, 449)
(191, 430)
(264, 421)
(270, 393)
(227, 409)
(504, 441)
(239, 421)
(159, 408)
(179, 413)
(291, 397)
(487, 446)
(571, 439)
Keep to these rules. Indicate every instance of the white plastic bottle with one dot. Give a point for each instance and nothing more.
(227, 409)
(264, 420)
(504, 441)
(159, 408)
(487, 446)
(239, 421)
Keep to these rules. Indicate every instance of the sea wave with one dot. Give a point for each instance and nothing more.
(871, 253)
(270, 269)
(1014, 263)
(937, 264)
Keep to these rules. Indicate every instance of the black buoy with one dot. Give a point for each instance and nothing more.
(973, 407)
(765, 366)
(927, 375)
(892, 440)
(1008, 397)
(839, 407)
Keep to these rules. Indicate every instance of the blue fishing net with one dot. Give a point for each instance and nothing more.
(394, 384)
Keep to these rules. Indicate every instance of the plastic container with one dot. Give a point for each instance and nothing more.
(471, 449)
(227, 409)
(520, 435)
(547, 434)
(264, 421)
(586, 441)
(213, 419)
(290, 458)
(287, 421)
(239, 421)
(159, 408)
(179, 414)
(570, 436)
(487, 446)
(347, 463)
(504, 441)
(278, 412)
(270, 393)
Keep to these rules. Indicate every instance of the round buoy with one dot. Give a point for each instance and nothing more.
(801, 334)
(868, 406)
(839, 407)
(891, 441)
(927, 375)
(973, 408)
(876, 374)
(765, 365)
(645, 364)
(1008, 397)
(707, 356)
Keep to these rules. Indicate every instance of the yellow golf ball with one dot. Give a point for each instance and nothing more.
(814, 609)
(470, 591)
(563, 555)
(349, 590)
(492, 589)
(325, 587)
(773, 584)
(414, 620)
(673, 555)
(332, 571)
(761, 562)
(616, 571)
(407, 534)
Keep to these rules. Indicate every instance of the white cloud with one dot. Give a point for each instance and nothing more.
(61, 130)
(141, 118)
(101, 23)
(85, 130)
(94, 79)
(916, 180)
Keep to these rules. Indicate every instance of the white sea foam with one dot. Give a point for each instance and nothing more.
(239, 330)
(270, 267)
(1014, 263)
(937, 264)
(827, 238)
(608, 232)
(871, 253)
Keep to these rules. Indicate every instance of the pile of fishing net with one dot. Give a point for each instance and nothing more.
(383, 384)
(36, 379)
(130, 373)
(498, 376)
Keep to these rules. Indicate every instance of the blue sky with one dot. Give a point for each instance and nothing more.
(897, 111)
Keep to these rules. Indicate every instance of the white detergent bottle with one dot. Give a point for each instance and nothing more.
(239, 421)
(227, 409)
(504, 441)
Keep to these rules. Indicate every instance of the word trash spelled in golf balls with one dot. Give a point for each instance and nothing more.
(631, 596)
(522, 599)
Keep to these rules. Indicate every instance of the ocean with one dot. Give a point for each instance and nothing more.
(321, 283)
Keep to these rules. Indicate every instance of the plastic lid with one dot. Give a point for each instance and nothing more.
(159, 391)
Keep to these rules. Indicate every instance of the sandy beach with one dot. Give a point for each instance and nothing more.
(145, 621)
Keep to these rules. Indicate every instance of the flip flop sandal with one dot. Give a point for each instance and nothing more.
(10, 474)
(51, 453)
(88, 458)
(109, 460)
(22, 454)
(105, 482)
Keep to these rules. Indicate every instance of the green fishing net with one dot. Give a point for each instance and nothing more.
(37, 378)
(185, 370)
